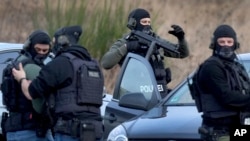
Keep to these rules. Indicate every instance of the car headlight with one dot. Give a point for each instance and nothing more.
(118, 134)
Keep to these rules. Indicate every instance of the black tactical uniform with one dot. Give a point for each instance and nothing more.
(225, 88)
(58, 78)
(23, 119)
(122, 46)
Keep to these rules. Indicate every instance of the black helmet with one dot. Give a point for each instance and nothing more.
(66, 36)
(72, 33)
(134, 18)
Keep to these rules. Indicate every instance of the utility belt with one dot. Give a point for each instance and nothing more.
(19, 121)
(84, 129)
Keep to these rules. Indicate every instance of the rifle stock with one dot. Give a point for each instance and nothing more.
(148, 39)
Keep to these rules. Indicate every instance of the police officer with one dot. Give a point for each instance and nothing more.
(24, 122)
(75, 120)
(139, 19)
(225, 87)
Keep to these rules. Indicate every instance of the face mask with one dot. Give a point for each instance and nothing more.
(148, 30)
(39, 58)
(226, 52)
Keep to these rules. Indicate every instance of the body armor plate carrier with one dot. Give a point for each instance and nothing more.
(85, 89)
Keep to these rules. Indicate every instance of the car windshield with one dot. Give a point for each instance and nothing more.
(182, 94)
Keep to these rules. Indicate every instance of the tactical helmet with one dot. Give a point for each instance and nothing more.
(72, 34)
(66, 36)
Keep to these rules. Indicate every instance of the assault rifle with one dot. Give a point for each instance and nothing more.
(152, 41)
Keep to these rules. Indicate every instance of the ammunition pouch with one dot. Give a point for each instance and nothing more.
(19, 121)
(212, 133)
(168, 75)
(85, 130)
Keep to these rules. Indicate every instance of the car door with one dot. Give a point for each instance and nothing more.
(135, 92)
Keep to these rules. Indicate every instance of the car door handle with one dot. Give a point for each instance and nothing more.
(110, 117)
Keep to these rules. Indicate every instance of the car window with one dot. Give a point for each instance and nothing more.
(181, 96)
(4, 57)
(246, 64)
(136, 79)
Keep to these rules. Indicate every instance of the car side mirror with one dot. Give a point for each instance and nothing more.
(134, 100)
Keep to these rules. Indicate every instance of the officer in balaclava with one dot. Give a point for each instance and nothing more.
(224, 87)
(23, 118)
(139, 19)
(224, 51)
(37, 46)
(75, 83)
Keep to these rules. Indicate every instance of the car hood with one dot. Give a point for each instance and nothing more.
(165, 122)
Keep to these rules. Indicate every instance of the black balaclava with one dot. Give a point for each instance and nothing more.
(225, 52)
(37, 37)
(66, 36)
(139, 14)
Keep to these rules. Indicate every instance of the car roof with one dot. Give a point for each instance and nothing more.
(7, 46)
(244, 56)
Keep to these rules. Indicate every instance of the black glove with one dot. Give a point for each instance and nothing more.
(178, 32)
(133, 45)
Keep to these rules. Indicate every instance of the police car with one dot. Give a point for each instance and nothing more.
(8, 52)
(137, 111)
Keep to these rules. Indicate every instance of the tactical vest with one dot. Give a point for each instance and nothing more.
(157, 64)
(14, 99)
(19, 107)
(238, 80)
(84, 94)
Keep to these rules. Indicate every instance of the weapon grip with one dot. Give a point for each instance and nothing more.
(150, 50)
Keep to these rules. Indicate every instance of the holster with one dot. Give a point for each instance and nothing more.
(42, 124)
(87, 131)
(82, 129)
(4, 119)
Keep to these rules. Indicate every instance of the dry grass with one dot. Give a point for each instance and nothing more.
(198, 18)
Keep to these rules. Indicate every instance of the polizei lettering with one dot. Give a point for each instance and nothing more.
(146, 88)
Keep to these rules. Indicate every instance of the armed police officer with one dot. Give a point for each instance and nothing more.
(224, 87)
(24, 122)
(139, 20)
(77, 92)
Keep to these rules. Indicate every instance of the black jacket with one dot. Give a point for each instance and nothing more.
(56, 74)
(213, 80)
(221, 100)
